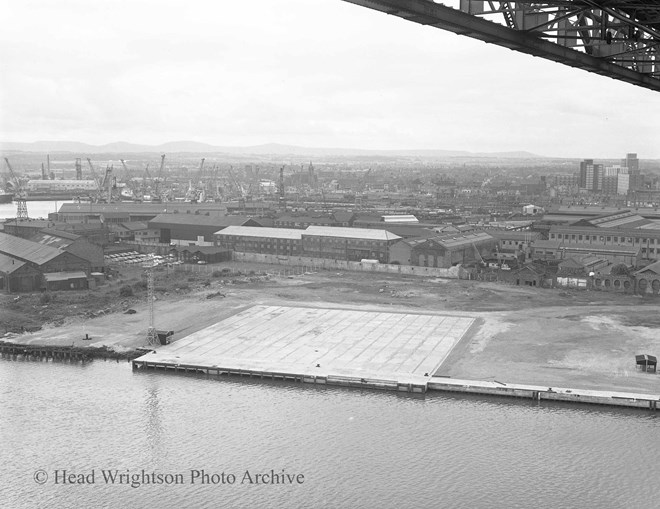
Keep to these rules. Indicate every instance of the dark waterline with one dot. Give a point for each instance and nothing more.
(354, 448)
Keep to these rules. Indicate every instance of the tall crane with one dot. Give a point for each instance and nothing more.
(99, 181)
(20, 193)
(159, 180)
(280, 189)
(108, 184)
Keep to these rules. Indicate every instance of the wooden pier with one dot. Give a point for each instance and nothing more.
(43, 353)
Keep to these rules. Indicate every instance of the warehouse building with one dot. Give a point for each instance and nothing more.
(194, 229)
(443, 250)
(352, 244)
(37, 257)
(17, 276)
(251, 239)
(74, 244)
(330, 242)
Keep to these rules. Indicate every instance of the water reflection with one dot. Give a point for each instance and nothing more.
(153, 427)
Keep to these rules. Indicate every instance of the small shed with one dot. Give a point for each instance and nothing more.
(75, 280)
(647, 362)
(164, 336)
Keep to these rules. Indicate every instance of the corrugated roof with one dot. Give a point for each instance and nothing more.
(586, 248)
(27, 250)
(457, 239)
(9, 264)
(164, 220)
(51, 240)
(262, 232)
(350, 233)
(60, 233)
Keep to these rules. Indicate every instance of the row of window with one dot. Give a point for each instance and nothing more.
(604, 238)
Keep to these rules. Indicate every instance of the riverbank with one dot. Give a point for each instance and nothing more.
(528, 336)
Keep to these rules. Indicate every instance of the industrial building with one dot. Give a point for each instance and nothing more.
(443, 250)
(558, 250)
(27, 265)
(74, 244)
(352, 244)
(194, 229)
(250, 239)
(330, 242)
(87, 212)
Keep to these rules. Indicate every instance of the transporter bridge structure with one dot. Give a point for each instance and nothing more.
(619, 39)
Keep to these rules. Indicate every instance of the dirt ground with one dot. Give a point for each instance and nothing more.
(575, 339)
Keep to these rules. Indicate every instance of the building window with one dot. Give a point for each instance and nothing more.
(579, 237)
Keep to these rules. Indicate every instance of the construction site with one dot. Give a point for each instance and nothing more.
(365, 328)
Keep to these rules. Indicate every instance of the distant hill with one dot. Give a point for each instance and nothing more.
(122, 147)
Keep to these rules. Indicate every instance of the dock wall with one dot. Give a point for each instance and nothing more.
(416, 385)
(541, 393)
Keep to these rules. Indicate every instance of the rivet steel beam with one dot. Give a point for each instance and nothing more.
(426, 12)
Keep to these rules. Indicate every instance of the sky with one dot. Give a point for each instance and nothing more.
(316, 73)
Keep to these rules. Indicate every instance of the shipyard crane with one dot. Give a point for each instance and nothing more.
(127, 173)
(108, 183)
(130, 183)
(280, 189)
(236, 183)
(20, 193)
(145, 180)
(97, 179)
(159, 179)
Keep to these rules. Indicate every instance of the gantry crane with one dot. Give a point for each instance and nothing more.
(20, 193)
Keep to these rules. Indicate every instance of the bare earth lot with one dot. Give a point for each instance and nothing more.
(556, 338)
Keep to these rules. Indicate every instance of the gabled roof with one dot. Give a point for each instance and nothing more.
(653, 268)
(262, 232)
(350, 233)
(165, 220)
(61, 233)
(27, 250)
(135, 225)
(529, 268)
(9, 264)
(49, 240)
(618, 219)
(453, 240)
(343, 216)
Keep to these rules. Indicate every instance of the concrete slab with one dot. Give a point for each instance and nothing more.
(311, 342)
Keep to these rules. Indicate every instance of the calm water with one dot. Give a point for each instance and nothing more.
(36, 209)
(356, 449)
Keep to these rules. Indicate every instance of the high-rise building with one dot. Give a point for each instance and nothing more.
(631, 162)
(591, 175)
(623, 183)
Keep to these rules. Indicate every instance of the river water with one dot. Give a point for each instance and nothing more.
(36, 209)
(342, 448)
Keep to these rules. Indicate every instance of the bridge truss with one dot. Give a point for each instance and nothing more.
(615, 38)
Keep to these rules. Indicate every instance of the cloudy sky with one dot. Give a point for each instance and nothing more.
(321, 73)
